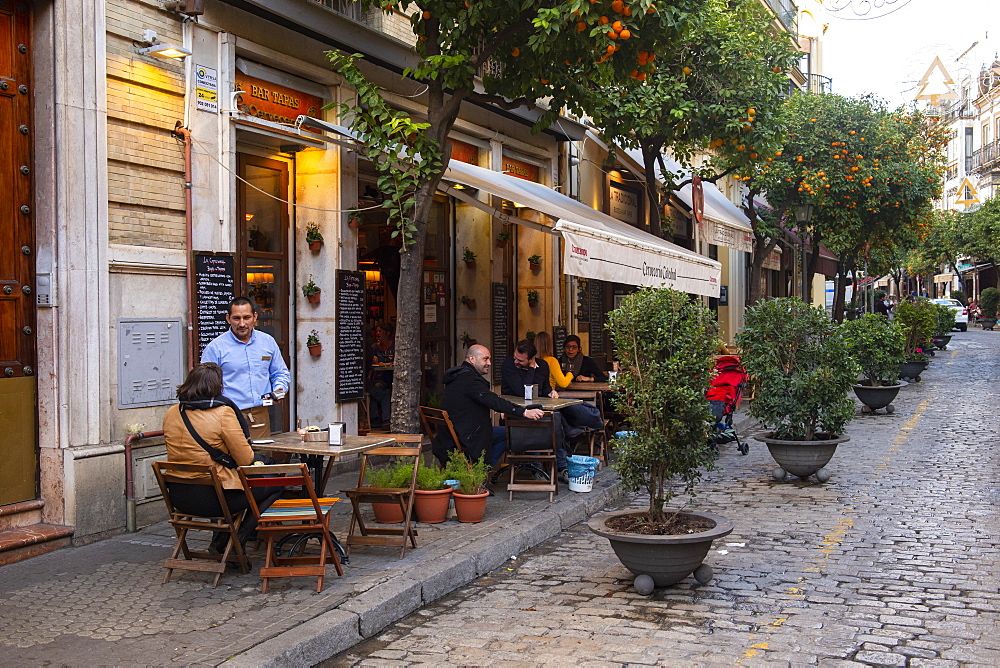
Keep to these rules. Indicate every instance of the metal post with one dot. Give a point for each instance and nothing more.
(805, 271)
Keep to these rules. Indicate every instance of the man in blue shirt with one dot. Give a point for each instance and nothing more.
(252, 366)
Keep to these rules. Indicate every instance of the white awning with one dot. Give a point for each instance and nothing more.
(597, 245)
(724, 223)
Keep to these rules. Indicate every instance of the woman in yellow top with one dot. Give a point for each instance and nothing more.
(557, 379)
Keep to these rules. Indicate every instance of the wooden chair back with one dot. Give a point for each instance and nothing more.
(538, 456)
(401, 497)
(436, 420)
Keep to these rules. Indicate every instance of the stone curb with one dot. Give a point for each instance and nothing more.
(366, 614)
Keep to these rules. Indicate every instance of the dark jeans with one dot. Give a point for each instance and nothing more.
(202, 500)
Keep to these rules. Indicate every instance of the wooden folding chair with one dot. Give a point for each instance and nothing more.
(436, 420)
(403, 496)
(543, 457)
(310, 516)
(183, 522)
(597, 439)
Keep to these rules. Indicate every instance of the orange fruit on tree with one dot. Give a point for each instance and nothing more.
(627, 11)
(580, 26)
(751, 111)
(642, 76)
(617, 6)
(427, 15)
(611, 49)
(651, 9)
(604, 20)
(515, 52)
(612, 35)
(651, 57)
(686, 70)
(634, 74)
(776, 70)
(753, 156)
(625, 34)
(617, 26)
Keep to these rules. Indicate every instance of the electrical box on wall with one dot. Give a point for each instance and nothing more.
(150, 361)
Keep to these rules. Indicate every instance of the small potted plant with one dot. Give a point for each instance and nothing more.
(879, 347)
(467, 340)
(918, 320)
(530, 335)
(532, 298)
(469, 302)
(470, 497)
(311, 291)
(665, 345)
(803, 371)
(469, 257)
(944, 323)
(535, 262)
(395, 475)
(314, 237)
(432, 495)
(989, 300)
(503, 238)
(313, 343)
(355, 217)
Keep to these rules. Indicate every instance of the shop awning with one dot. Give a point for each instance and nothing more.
(597, 245)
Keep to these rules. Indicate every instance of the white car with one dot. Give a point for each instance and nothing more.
(961, 313)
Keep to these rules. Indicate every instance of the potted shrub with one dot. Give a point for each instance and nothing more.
(943, 324)
(960, 296)
(313, 343)
(470, 497)
(989, 300)
(467, 340)
(469, 258)
(802, 371)
(879, 347)
(355, 217)
(393, 475)
(503, 238)
(432, 495)
(532, 298)
(535, 262)
(314, 237)
(311, 291)
(469, 302)
(665, 346)
(918, 319)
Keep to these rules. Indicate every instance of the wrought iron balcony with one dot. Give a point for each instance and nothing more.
(787, 12)
(817, 83)
(985, 159)
(956, 110)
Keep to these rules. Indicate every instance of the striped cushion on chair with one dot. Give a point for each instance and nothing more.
(298, 507)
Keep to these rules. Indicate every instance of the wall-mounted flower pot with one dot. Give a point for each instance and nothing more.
(354, 222)
(532, 303)
(316, 350)
(535, 266)
(315, 245)
(471, 304)
(501, 243)
(471, 264)
(314, 297)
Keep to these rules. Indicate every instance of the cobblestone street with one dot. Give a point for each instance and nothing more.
(893, 562)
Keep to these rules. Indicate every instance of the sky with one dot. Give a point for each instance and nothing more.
(887, 49)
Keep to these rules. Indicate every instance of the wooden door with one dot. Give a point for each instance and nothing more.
(263, 253)
(18, 432)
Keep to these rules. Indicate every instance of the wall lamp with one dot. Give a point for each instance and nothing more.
(151, 46)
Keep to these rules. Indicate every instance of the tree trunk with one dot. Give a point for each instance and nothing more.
(812, 264)
(649, 152)
(762, 248)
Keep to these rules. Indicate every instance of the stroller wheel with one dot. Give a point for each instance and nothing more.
(744, 449)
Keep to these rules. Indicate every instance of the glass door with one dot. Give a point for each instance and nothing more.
(262, 194)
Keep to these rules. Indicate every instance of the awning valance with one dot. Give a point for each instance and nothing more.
(597, 245)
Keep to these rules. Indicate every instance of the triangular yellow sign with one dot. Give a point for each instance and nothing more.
(967, 193)
(934, 95)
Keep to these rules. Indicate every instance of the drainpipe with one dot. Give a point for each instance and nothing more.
(184, 135)
(129, 481)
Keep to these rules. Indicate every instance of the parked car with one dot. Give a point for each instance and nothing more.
(961, 313)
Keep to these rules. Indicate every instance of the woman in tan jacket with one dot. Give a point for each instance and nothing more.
(221, 426)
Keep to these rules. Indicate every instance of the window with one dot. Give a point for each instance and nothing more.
(968, 149)
(986, 134)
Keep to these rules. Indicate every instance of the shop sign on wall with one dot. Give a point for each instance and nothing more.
(274, 103)
(772, 261)
(623, 204)
(207, 88)
(520, 169)
(724, 235)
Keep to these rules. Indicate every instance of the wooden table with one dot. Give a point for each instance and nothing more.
(545, 403)
(590, 386)
(313, 452)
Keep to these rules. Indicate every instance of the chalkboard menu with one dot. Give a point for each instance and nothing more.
(582, 301)
(350, 358)
(501, 327)
(214, 288)
(559, 340)
(596, 299)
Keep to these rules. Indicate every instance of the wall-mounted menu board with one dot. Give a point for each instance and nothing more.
(501, 347)
(559, 340)
(596, 298)
(582, 301)
(214, 288)
(350, 358)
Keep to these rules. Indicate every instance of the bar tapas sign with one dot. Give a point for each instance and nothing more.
(274, 103)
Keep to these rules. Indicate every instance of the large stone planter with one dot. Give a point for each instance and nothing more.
(912, 370)
(666, 559)
(802, 458)
(941, 341)
(876, 397)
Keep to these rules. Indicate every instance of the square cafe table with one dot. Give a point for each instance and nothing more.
(589, 386)
(312, 453)
(545, 403)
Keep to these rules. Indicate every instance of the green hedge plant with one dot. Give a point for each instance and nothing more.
(944, 320)
(471, 477)
(665, 345)
(960, 296)
(801, 369)
(918, 319)
(396, 473)
(878, 346)
(989, 299)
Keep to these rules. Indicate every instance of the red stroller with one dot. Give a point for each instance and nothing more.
(724, 397)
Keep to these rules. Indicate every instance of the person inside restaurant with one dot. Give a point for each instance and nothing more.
(383, 353)
(583, 368)
(203, 426)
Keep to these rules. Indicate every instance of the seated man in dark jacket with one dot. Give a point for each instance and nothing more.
(468, 400)
(525, 368)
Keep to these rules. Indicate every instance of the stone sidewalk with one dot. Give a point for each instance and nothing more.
(893, 562)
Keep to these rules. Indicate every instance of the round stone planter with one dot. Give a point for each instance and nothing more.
(877, 397)
(802, 458)
(666, 559)
(912, 370)
(942, 341)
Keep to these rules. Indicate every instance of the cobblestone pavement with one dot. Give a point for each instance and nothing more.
(892, 562)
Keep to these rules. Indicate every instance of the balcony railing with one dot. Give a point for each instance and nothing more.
(817, 83)
(958, 109)
(788, 13)
(984, 159)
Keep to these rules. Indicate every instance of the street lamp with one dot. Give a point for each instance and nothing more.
(803, 214)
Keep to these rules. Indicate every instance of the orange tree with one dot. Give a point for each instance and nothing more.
(509, 53)
(871, 174)
(719, 87)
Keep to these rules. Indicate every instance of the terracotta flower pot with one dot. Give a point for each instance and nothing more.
(314, 297)
(501, 243)
(534, 266)
(470, 507)
(315, 245)
(355, 223)
(316, 350)
(471, 264)
(471, 304)
(431, 506)
(532, 303)
(387, 513)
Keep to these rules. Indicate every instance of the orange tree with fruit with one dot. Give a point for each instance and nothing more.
(718, 88)
(498, 52)
(871, 174)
